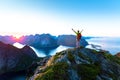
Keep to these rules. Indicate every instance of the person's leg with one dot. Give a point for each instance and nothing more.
(77, 43)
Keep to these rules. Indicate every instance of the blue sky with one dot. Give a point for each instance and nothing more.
(95, 17)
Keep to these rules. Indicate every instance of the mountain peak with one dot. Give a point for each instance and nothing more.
(80, 64)
(15, 59)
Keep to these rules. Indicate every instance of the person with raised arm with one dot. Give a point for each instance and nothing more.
(78, 37)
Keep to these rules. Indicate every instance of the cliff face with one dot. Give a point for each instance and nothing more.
(79, 64)
(14, 59)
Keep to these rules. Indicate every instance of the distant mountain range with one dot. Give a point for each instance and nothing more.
(7, 39)
(42, 41)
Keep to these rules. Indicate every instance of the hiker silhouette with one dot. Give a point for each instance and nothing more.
(78, 37)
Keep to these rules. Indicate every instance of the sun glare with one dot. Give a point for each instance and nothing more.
(17, 37)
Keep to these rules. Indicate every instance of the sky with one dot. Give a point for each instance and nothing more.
(95, 17)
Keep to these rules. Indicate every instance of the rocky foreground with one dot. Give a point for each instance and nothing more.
(79, 64)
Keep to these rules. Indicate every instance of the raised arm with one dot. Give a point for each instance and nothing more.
(81, 31)
(74, 31)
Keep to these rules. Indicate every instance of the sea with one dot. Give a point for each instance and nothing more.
(111, 44)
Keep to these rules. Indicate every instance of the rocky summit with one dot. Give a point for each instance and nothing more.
(13, 59)
(79, 64)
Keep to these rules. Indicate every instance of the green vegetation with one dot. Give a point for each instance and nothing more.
(81, 55)
(112, 58)
(71, 57)
(94, 51)
(57, 71)
(48, 75)
(58, 55)
(88, 71)
(81, 47)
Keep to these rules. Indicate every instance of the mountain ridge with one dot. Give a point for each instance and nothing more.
(79, 64)
(15, 59)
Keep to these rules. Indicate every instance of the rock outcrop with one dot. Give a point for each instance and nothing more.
(118, 54)
(79, 64)
(14, 59)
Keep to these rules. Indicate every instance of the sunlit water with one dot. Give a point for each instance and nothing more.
(43, 53)
(111, 44)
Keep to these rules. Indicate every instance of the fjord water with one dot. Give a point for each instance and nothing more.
(43, 52)
(47, 52)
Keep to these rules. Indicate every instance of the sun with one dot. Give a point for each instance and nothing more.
(17, 37)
